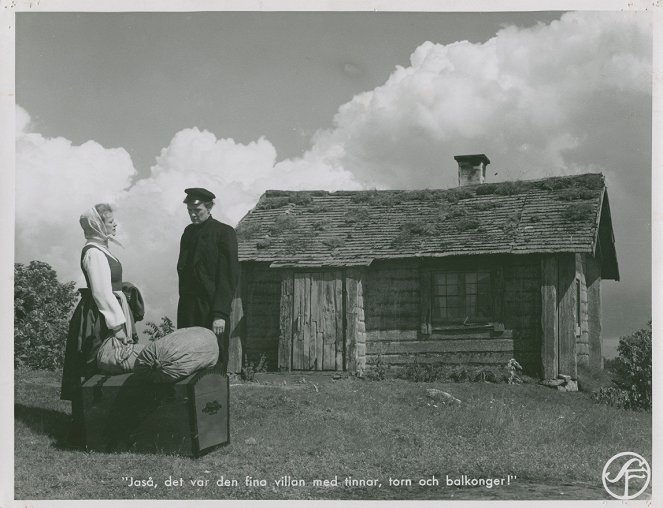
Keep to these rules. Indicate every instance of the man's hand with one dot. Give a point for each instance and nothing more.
(218, 326)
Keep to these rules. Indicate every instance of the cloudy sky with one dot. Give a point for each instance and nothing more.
(132, 108)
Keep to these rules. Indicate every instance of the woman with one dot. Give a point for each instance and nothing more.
(101, 331)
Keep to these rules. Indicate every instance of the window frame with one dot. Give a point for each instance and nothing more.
(494, 264)
(461, 296)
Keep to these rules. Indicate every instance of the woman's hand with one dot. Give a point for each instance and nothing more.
(121, 335)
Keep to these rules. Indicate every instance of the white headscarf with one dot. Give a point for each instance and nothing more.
(93, 227)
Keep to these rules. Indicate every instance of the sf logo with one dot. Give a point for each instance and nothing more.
(626, 475)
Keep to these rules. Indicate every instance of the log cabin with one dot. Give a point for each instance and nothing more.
(477, 274)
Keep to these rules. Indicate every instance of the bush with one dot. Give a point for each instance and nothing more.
(591, 379)
(632, 368)
(611, 395)
(424, 372)
(377, 370)
(41, 315)
(430, 372)
(155, 332)
(250, 369)
(631, 373)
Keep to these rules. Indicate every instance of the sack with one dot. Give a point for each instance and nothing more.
(114, 357)
(178, 355)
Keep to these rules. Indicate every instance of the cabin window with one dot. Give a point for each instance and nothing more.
(461, 297)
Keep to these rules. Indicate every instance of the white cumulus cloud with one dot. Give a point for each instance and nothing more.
(525, 97)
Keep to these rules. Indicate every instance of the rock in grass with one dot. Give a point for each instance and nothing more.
(251, 441)
(443, 397)
(569, 386)
(563, 383)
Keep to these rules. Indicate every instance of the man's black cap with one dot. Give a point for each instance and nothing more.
(197, 195)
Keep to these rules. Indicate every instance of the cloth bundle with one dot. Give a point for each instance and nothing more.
(178, 355)
(114, 357)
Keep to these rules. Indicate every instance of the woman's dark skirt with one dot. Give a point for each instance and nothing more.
(87, 330)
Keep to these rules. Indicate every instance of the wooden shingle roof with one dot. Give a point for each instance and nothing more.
(346, 228)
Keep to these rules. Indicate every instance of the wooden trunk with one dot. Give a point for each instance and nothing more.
(123, 413)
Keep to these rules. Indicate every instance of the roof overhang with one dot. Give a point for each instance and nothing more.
(604, 241)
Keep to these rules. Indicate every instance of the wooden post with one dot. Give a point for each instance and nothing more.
(549, 336)
(566, 297)
(593, 279)
(286, 316)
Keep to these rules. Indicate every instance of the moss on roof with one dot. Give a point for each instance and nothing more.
(319, 227)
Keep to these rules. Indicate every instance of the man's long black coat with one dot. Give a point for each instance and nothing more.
(208, 270)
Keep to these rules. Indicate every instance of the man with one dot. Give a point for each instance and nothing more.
(208, 270)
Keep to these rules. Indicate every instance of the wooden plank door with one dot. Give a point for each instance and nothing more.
(317, 326)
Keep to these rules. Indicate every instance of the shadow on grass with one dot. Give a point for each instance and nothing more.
(54, 424)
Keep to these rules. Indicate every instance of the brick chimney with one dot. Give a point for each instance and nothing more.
(471, 168)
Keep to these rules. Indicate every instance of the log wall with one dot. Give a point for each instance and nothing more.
(397, 317)
(386, 315)
(393, 311)
(392, 300)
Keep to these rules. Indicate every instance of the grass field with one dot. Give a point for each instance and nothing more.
(307, 427)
